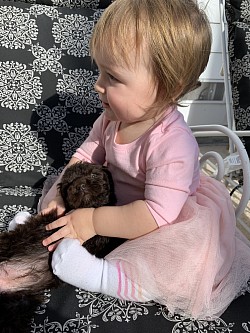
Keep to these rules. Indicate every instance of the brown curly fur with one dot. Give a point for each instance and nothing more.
(25, 269)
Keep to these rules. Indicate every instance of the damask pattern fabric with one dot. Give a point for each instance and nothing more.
(46, 89)
(47, 107)
(91, 4)
(238, 17)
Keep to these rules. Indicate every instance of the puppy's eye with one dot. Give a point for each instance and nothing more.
(93, 176)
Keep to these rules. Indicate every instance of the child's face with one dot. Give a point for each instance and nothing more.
(126, 92)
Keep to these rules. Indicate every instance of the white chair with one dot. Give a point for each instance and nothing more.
(236, 146)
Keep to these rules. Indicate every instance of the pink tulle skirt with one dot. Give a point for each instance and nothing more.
(197, 265)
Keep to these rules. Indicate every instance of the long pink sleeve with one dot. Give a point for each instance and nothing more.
(172, 174)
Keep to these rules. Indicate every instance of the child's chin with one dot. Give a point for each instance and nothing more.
(110, 114)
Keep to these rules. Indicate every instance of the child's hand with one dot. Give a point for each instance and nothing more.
(77, 224)
(57, 203)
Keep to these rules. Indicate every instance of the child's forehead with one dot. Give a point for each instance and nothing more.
(124, 54)
(110, 58)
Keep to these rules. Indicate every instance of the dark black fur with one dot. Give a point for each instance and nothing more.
(82, 185)
(90, 185)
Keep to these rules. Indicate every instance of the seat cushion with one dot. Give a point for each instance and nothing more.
(47, 99)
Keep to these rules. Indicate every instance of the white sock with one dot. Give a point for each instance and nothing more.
(73, 264)
(19, 218)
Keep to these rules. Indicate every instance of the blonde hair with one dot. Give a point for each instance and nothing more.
(175, 34)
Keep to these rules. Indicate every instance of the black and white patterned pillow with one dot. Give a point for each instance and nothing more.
(47, 98)
(238, 18)
(90, 4)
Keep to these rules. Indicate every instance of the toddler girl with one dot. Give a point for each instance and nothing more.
(181, 250)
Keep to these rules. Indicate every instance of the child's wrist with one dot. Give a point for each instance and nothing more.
(93, 220)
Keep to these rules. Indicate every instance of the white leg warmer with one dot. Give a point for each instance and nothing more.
(73, 264)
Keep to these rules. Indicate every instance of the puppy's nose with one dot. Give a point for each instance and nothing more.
(82, 188)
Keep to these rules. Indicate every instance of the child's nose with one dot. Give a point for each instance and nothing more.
(99, 86)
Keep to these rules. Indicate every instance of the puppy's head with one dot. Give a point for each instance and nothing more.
(86, 185)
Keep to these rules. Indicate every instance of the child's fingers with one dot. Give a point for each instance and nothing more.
(53, 246)
(56, 224)
(60, 210)
(45, 211)
(56, 236)
(52, 239)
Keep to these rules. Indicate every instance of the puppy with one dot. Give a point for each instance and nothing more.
(25, 264)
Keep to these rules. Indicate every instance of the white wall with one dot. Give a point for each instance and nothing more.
(207, 105)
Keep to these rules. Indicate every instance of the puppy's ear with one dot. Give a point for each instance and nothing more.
(112, 196)
(16, 312)
(70, 174)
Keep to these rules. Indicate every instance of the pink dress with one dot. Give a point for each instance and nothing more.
(196, 262)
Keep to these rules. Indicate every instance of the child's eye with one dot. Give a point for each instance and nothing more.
(112, 77)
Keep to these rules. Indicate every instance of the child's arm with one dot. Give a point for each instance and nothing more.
(128, 221)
